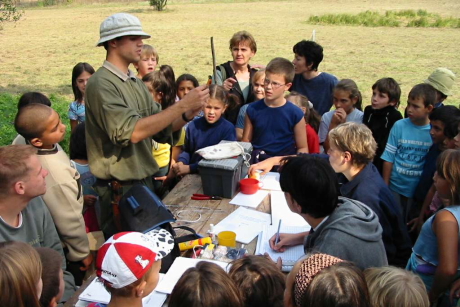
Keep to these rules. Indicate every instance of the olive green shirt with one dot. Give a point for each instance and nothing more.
(114, 102)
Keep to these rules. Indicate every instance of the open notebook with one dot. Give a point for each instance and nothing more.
(291, 255)
(246, 223)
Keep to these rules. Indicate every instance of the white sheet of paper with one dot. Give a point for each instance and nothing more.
(291, 255)
(96, 292)
(246, 223)
(251, 201)
(271, 181)
(177, 269)
(280, 210)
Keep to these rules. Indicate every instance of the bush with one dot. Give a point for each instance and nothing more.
(9, 12)
(408, 18)
(158, 5)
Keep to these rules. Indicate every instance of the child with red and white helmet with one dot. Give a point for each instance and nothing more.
(129, 265)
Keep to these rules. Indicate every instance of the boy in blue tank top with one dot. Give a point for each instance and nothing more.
(274, 126)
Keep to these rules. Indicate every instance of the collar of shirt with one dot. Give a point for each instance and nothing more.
(322, 222)
(117, 72)
(19, 222)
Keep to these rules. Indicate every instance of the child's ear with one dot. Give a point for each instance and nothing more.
(297, 208)
(430, 108)
(36, 142)
(287, 86)
(139, 290)
(392, 103)
(347, 156)
(224, 108)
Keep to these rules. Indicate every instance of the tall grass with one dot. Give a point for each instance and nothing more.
(407, 18)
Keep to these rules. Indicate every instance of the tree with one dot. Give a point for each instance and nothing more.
(9, 12)
(158, 5)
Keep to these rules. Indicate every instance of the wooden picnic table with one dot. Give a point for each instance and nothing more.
(184, 208)
(205, 211)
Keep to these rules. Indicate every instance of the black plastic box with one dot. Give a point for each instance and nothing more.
(222, 177)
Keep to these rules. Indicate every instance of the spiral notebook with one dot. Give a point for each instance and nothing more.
(290, 255)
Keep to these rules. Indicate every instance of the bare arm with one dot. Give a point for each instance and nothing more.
(300, 135)
(417, 223)
(339, 117)
(445, 227)
(239, 133)
(247, 132)
(386, 172)
(151, 125)
(266, 165)
(73, 124)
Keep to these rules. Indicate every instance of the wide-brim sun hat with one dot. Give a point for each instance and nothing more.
(442, 79)
(118, 25)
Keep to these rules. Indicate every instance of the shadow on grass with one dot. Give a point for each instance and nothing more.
(21, 89)
(139, 11)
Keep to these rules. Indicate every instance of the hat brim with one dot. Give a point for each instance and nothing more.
(439, 88)
(132, 33)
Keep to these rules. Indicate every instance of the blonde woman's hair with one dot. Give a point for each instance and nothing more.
(448, 167)
(395, 287)
(357, 139)
(20, 272)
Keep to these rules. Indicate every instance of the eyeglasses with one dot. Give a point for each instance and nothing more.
(275, 85)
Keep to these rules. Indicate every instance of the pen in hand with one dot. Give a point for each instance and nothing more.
(277, 239)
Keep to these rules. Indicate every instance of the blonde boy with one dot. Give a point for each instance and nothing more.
(395, 287)
(42, 127)
(148, 62)
(274, 126)
(129, 265)
(351, 151)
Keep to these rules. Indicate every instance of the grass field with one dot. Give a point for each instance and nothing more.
(39, 51)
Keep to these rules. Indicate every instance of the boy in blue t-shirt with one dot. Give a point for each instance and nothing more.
(407, 146)
(274, 126)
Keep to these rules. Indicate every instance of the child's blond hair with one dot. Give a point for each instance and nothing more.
(148, 51)
(257, 75)
(357, 139)
(395, 287)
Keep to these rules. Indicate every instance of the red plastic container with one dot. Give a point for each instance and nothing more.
(249, 185)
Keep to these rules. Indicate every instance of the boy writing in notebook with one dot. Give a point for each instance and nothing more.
(274, 126)
(340, 226)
